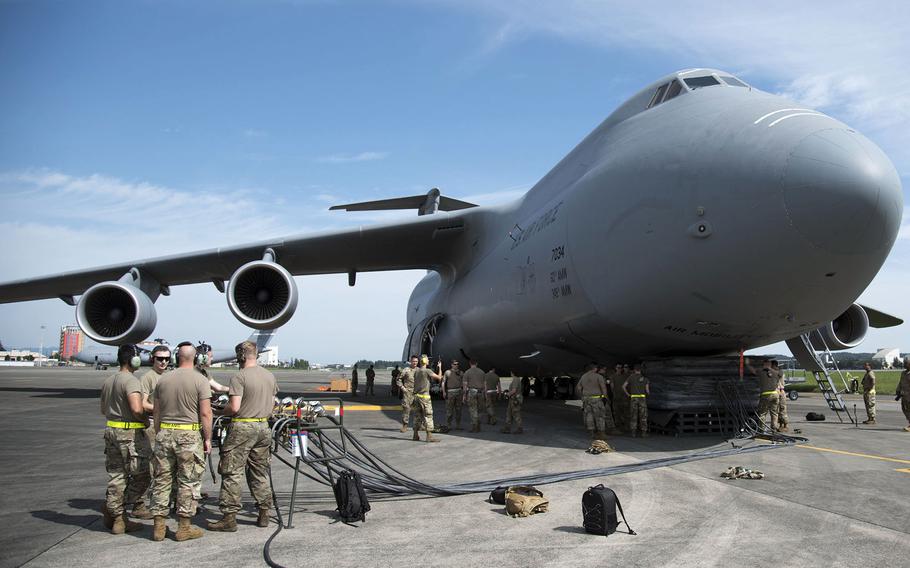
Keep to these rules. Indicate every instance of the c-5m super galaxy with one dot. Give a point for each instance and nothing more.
(702, 217)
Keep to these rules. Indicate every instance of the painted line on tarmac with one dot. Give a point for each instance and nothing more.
(883, 458)
(369, 407)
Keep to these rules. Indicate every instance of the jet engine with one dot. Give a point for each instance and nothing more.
(844, 332)
(262, 294)
(115, 313)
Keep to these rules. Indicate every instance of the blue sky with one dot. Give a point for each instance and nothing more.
(134, 129)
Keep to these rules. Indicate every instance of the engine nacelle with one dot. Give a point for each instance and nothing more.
(115, 313)
(846, 330)
(262, 295)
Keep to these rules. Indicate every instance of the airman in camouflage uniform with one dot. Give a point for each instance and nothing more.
(182, 408)
(620, 399)
(126, 447)
(783, 419)
(453, 391)
(592, 388)
(903, 392)
(768, 400)
(406, 390)
(160, 359)
(423, 404)
(513, 410)
(245, 451)
(492, 391)
(474, 384)
(869, 394)
(637, 388)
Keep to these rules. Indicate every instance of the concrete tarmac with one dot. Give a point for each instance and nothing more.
(843, 499)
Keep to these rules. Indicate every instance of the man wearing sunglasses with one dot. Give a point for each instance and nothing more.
(161, 358)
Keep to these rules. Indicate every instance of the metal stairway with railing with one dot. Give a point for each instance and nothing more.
(804, 349)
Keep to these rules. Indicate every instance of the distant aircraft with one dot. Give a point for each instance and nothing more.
(702, 217)
(103, 355)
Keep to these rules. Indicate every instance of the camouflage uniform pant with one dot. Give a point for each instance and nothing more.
(594, 413)
(489, 400)
(369, 390)
(423, 412)
(453, 407)
(513, 410)
(475, 405)
(905, 407)
(126, 459)
(620, 406)
(638, 414)
(178, 457)
(245, 452)
(783, 419)
(407, 401)
(869, 401)
(768, 404)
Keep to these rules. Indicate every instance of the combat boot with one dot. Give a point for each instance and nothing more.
(599, 435)
(228, 523)
(140, 511)
(416, 437)
(430, 437)
(493, 421)
(519, 430)
(592, 434)
(186, 531)
(506, 429)
(404, 427)
(869, 421)
(122, 525)
(907, 428)
(263, 520)
(645, 434)
(106, 517)
(160, 530)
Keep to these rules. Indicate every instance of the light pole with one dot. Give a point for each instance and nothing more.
(41, 349)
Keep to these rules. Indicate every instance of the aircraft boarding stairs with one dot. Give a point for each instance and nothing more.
(804, 349)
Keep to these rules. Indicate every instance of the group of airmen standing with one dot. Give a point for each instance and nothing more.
(474, 388)
(159, 432)
(611, 399)
(902, 393)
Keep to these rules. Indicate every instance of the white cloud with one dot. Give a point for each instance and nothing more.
(255, 133)
(348, 158)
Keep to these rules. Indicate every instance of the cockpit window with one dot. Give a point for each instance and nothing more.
(658, 95)
(675, 89)
(733, 81)
(699, 82)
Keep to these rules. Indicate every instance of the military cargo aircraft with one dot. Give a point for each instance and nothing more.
(662, 233)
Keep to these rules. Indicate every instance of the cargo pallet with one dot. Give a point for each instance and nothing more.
(695, 423)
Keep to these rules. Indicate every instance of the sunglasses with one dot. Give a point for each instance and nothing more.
(162, 359)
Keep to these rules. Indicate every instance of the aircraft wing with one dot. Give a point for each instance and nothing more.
(426, 242)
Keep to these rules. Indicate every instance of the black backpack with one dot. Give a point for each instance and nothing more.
(498, 495)
(350, 497)
(815, 416)
(598, 509)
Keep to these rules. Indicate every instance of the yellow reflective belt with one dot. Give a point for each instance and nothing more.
(870, 391)
(637, 396)
(594, 396)
(422, 395)
(169, 426)
(128, 425)
(249, 419)
(769, 392)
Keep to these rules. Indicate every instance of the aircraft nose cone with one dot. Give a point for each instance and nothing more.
(842, 193)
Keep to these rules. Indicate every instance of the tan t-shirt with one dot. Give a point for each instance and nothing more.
(592, 384)
(115, 397)
(491, 381)
(177, 396)
(421, 381)
(767, 380)
(453, 379)
(638, 383)
(149, 381)
(515, 386)
(257, 388)
(473, 378)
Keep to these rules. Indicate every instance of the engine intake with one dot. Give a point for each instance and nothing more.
(114, 313)
(262, 295)
(844, 332)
